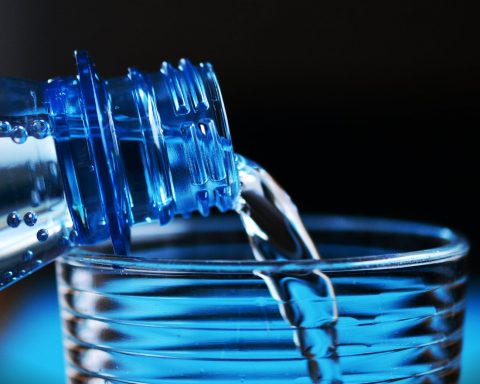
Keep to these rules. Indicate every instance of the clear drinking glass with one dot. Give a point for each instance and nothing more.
(190, 307)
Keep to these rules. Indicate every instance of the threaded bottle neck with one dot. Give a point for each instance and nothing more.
(140, 147)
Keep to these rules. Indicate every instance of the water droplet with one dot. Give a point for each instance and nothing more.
(64, 240)
(28, 256)
(5, 127)
(73, 236)
(39, 261)
(30, 218)
(19, 134)
(7, 276)
(40, 129)
(13, 219)
(42, 235)
(22, 272)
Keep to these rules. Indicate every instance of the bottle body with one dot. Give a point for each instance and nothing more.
(132, 149)
(34, 219)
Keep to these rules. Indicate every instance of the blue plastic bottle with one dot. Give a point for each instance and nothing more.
(82, 159)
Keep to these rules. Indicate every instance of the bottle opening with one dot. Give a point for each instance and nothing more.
(140, 147)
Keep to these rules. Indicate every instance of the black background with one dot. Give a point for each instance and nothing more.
(378, 100)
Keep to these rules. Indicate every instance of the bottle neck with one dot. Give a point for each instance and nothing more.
(140, 147)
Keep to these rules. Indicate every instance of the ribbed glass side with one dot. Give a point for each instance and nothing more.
(172, 317)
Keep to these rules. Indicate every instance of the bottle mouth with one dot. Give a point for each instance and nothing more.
(140, 147)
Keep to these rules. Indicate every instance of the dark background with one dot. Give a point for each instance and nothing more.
(378, 100)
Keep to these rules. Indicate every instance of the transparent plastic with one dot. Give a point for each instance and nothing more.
(82, 160)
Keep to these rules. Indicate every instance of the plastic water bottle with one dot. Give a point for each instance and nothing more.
(83, 159)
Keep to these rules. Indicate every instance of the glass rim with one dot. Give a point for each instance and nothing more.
(454, 247)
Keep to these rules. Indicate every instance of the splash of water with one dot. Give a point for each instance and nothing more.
(306, 301)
